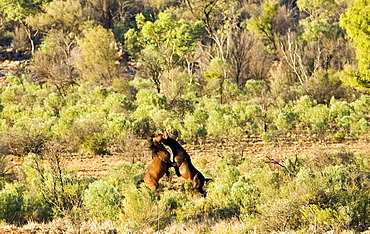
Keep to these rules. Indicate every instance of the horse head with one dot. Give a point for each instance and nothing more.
(158, 137)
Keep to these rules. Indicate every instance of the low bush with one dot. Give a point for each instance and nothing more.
(102, 200)
(11, 202)
(58, 187)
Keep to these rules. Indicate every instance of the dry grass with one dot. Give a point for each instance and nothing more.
(98, 166)
(61, 226)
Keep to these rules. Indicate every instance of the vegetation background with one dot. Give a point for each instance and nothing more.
(88, 78)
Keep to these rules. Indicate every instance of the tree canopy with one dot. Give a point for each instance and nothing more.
(357, 25)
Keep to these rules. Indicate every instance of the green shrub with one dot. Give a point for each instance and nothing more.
(35, 207)
(140, 208)
(97, 63)
(102, 200)
(339, 109)
(89, 135)
(221, 119)
(268, 136)
(328, 192)
(361, 105)
(322, 86)
(308, 112)
(317, 118)
(11, 202)
(247, 114)
(143, 127)
(255, 87)
(53, 104)
(124, 175)
(284, 121)
(194, 126)
(302, 105)
(231, 193)
(360, 127)
(338, 203)
(148, 101)
(57, 186)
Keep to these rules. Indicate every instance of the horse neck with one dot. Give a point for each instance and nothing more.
(173, 147)
(176, 148)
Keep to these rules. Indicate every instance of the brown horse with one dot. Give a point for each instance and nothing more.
(160, 163)
(183, 165)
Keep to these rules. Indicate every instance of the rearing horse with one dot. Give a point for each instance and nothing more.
(183, 165)
(160, 163)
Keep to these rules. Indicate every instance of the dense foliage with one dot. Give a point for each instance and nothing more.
(96, 76)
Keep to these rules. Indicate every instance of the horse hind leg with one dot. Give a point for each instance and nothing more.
(198, 184)
(201, 191)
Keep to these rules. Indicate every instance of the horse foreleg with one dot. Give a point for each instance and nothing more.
(168, 173)
(177, 170)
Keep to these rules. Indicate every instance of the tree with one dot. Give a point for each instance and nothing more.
(318, 45)
(217, 77)
(18, 10)
(220, 18)
(162, 45)
(96, 62)
(247, 57)
(322, 34)
(62, 22)
(111, 12)
(356, 22)
(53, 62)
(262, 25)
(66, 16)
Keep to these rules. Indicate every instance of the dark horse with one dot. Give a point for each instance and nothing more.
(160, 163)
(183, 165)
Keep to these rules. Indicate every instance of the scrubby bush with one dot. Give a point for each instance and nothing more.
(324, 85)
(284, 121)
(124, 175)
(140, 208)
(322, 196)
(102, 200)
(247, 115)
(11, 202)
(35, 207)
(194, 126)
(360, 127)
(221, 119)
(96, 62)
(61, 189)
(317, 118)
(232, 193)
(255, 87)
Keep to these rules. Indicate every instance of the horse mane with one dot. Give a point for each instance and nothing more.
(172, 142)
(155, 150)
